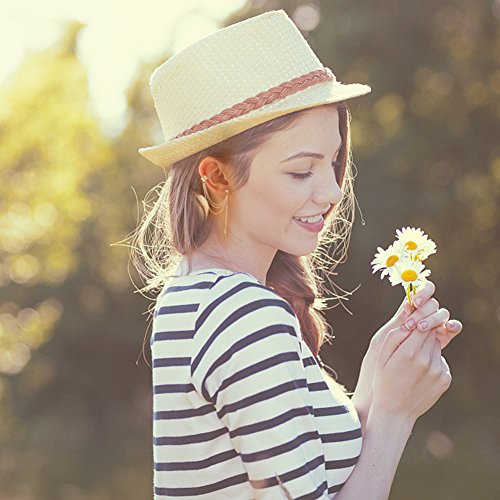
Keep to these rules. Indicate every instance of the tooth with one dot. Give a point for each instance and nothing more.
(311, 220)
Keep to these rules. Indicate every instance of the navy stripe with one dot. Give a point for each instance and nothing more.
(202, 490)
(341, 436)
(173, 388)
(331, 410)
(257, 368)
(319, 386)
(198, 464)
(294, 474)
(249, 339)
(262, 396)
(174, 335)
(239, 287)
(159, 362)
(341, 464)
(189, 439)
(309, 361)
(280, 449)
(336, 488)
(232, 318)
(180, 414)
(200, 285)
(318, 493)
(271, 423)
(178, 309)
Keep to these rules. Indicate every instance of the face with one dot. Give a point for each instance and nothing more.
(280, 189)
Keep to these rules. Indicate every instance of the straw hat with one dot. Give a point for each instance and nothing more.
(234, 79)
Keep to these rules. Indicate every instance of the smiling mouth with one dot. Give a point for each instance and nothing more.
(323, 216)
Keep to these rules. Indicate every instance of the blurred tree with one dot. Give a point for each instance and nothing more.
(69, 322)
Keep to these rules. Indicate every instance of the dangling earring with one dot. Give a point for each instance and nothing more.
(219, 206)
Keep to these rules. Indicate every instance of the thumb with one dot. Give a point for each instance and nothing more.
(392, 341)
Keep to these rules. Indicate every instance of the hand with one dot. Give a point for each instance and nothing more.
(445, 331)
(411, 375)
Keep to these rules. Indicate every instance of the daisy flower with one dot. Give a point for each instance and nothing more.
(409, 273)
(386, 259)
(416, 242)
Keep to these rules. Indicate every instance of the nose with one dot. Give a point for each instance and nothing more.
(327, 189)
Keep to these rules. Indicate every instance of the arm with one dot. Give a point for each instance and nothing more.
(384, 441)
(247, 363)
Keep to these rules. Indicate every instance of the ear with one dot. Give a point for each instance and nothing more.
(217, 173)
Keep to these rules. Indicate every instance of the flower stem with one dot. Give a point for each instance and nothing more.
(409, 298)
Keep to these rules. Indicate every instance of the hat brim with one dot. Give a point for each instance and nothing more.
(164, 155)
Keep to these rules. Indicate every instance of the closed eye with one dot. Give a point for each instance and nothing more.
(335, 164)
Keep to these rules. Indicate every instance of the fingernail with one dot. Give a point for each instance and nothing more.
(410, 323)
(422, 325)
(418, 301)
(452, 324)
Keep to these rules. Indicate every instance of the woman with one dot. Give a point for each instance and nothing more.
(260, 183)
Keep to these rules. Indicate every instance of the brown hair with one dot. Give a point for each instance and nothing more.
(177, 222)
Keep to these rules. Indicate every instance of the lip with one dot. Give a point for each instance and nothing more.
(314, 215)
(313, 228)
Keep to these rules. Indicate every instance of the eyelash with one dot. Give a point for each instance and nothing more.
(308, 174)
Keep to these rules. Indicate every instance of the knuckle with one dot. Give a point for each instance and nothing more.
(444, 312)
(422, 363)
(446, 380)
(435, 371)
(407, 355)
(434, 303)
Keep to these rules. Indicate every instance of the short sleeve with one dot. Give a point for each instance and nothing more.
(247, 362)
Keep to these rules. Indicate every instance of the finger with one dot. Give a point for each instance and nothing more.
(438, 318)
(444, 335)
(392, 341)
(428, 344)
(436, 364)
(423, 295)
(402, 306)
(418, 351)
(454, 326)
(415, 342)
(430, 307)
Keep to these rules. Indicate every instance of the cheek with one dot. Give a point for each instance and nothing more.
(271, 203)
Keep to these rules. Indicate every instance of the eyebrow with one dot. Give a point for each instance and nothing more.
(306, 154)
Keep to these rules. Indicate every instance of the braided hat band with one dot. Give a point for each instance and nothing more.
(236, 78)
(263, 98)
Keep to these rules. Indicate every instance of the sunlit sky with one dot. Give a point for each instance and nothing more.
(117, 37)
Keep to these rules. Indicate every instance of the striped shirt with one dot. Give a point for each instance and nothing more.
(241, 409)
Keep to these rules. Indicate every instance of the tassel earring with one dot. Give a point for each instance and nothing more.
(218, 206)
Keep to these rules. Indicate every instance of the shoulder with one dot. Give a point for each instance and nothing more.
(244, 321)
(240, 294)
(239, 309)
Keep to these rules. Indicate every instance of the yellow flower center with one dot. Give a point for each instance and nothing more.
(411, 245)
(409, 275)
(391, 260)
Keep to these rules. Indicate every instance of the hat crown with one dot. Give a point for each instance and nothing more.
(227, 67)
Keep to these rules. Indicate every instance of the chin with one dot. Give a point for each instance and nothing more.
(301, 250)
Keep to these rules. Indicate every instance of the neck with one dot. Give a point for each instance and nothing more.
(213, 255)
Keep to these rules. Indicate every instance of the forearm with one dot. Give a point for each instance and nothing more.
(384, 441)
(361, 409)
